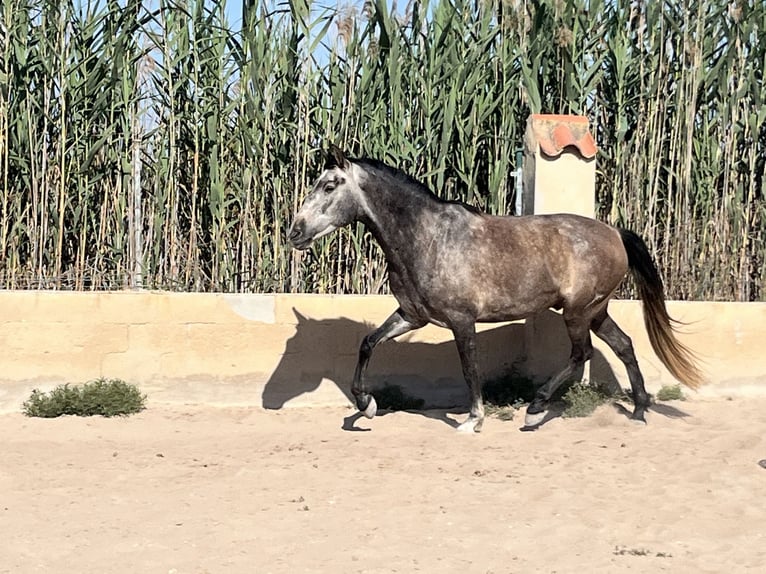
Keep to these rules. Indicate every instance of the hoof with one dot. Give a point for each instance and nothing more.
(471, 425)
(372, 408)
(534, 419)
(638, 417)
(638, 422)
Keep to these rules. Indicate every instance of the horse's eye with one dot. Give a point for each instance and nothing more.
(329, 188)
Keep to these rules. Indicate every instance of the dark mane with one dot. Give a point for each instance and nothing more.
(404, 177)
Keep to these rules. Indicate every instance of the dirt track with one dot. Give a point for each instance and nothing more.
(224, 490)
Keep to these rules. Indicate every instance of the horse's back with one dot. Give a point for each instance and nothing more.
(557, 236)
(578, 257)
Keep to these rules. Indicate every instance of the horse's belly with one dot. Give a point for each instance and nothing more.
(515, 312)
(457, 296)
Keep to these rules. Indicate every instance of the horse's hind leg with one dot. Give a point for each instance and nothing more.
(394, 326)
(581, 351)
(607, 330)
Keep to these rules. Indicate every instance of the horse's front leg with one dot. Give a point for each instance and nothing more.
(394, 326)
(465, 338)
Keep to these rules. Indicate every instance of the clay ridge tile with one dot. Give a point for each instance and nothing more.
(555, 132)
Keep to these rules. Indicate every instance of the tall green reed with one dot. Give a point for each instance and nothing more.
(157, 146)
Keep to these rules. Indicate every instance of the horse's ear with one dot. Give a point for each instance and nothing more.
(301, 318)
(336, 158)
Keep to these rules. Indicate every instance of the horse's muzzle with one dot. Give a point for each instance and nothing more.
(297, 237)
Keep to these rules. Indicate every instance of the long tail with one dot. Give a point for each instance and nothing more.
(676, 357)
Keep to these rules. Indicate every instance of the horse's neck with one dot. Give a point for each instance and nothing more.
(401, 221)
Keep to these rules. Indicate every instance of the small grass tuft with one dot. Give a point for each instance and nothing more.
(504, 413)
(394, 398)
(582, 399)
(105, 397)
(508, 390)
(505, 394)
(670, 393)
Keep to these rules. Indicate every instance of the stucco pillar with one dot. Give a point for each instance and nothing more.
(559, 172)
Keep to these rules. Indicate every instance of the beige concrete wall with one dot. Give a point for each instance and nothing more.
(277, 350)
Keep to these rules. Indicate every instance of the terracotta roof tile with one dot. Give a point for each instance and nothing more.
(555, 132)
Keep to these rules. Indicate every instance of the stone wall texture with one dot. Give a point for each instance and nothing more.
(300, 350)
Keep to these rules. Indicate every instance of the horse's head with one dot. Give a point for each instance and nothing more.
(334, 201)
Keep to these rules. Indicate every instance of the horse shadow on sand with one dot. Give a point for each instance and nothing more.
(324, 351)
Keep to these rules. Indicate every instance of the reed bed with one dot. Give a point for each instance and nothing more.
(159, 145)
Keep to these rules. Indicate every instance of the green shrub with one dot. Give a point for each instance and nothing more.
(103, 397)
(670, 393)
(582, 399)
(394, 398)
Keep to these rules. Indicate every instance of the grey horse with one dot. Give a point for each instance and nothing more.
(453, 266)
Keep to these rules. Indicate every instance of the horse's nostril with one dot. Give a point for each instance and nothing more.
(296, 233)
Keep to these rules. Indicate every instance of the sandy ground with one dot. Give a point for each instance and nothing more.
(234, 490)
